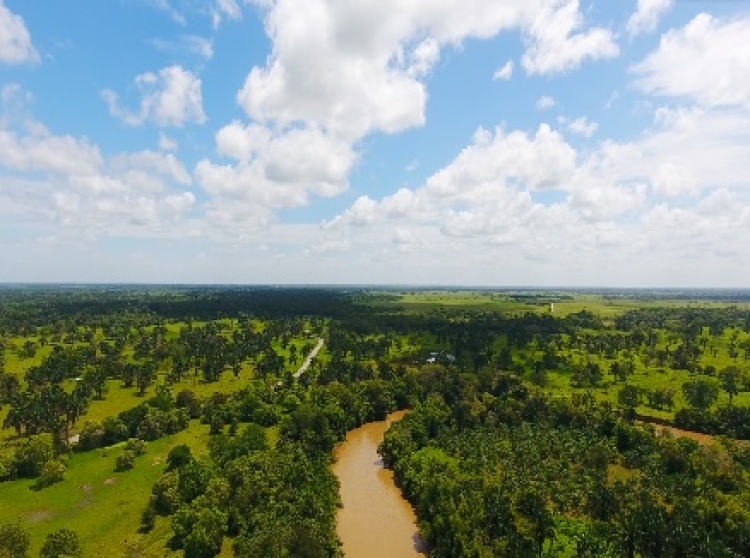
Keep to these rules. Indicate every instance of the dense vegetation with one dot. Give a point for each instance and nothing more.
(506, 471)
(525, 436)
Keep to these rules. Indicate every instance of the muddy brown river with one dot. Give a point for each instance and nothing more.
(375, 520)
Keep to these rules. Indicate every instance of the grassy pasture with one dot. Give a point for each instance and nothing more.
(103, 506)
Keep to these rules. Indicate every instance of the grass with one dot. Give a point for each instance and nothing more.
(104, 507)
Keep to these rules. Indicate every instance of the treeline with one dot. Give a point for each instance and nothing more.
(23, 310)
(507, 471)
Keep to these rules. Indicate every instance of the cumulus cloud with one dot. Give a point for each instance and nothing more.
(170, 98)
(354, 68)
(15, 40)
(505, 72)
(271, 170)
(583, 127)
(647, 15)
(559, 43)
(702, 62)
(40, 151)
(679, 188)
(65, 182)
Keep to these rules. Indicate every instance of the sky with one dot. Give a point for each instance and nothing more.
(430, 142)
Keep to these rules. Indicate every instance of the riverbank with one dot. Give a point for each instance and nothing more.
(375, 520)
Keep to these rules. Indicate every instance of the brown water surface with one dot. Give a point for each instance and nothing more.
(375, 520)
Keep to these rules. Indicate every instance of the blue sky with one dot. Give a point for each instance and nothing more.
(472, 142)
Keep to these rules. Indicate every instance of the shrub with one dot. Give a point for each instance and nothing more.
(14, 540)
(91, 437)
(136, 445)
(63, 543)
(53, 471)
(125, 461)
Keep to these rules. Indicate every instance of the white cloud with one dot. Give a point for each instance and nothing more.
(225, 9)
(647, 15)
(15, 41)
(555, 44)
(582, 127)
(539, 162)
(353, 68)
(64, 184)
(241, 142)
(167, 143)
(40, 151)
(680, 190)
(166, 165)
(170, 98)
(273, 170)
(707, 61)
(505, 72)
(424, 57)
(545, 102)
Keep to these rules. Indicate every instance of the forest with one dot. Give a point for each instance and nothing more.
(180, 420)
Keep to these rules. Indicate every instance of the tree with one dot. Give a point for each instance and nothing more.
(145, 375)
(179, 456)
(732, 378)
(30, 458)
(63, 543)
(628, 396)
(701, 393)
(536, 521)
(14, 540)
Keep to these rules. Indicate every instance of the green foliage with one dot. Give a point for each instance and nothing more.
(136, 446)
(701, 393)
(53, 471)
(33, 454)
(63, 543)
(545, 476)
(125, 461)
(178, 456)
(629, 396)
(14, 540)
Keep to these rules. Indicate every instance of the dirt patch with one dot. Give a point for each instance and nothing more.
(110, 481)
(39, 516)
(85, 488)
(705, 439)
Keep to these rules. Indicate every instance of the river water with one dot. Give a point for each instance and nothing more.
(375, 520)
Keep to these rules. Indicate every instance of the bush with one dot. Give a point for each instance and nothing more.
(61, 544)
(136, 445)
(91, 437)
(14, 540)
(115, 430)
(53, 471)
(125, 461)
(148, 518)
